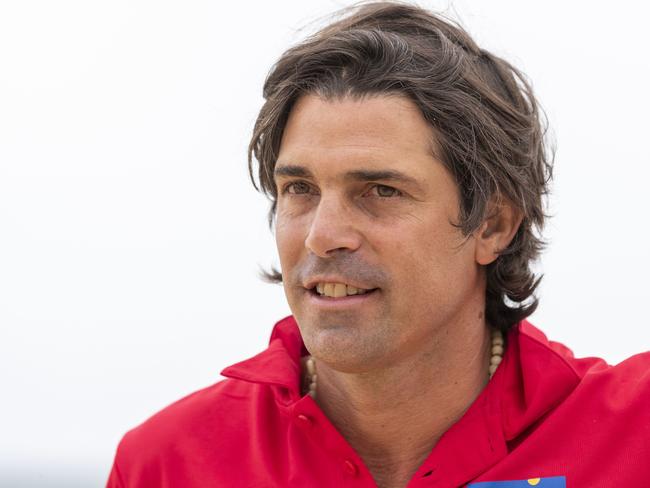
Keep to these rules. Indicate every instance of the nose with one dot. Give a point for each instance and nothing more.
(332, 229)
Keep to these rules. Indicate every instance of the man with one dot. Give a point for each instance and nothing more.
(407, 169)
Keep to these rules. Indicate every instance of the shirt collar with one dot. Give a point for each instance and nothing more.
(279, 364)
(534, 377)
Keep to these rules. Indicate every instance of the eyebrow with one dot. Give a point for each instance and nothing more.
(355, 175)
(291, 170)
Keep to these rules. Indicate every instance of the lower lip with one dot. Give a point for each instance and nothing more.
(349, 301)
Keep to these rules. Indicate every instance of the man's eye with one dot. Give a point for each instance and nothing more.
(384, 191)
(296, 188)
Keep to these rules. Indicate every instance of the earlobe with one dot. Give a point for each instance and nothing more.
(497, 231)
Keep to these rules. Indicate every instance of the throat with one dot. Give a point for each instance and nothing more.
(392, 435)
(394, 417)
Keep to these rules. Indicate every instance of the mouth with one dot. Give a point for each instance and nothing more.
(337, 291)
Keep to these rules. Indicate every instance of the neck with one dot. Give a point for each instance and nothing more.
(394, 416)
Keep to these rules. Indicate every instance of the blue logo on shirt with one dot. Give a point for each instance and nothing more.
(555, 482)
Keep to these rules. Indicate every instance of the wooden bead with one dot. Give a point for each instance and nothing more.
(497, 350)
(495, 360)
(311, 367)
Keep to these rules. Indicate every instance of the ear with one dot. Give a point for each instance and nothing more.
(497, 230)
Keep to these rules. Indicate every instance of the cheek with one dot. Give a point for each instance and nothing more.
(432, 263)
(288, 252)
(290, 244)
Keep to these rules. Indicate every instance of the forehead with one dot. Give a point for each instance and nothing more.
(372, 133)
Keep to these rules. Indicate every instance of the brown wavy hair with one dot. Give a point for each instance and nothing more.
(490, 130)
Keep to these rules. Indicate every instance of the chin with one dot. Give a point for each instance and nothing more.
(343, 345)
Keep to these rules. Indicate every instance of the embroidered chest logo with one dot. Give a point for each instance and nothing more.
(555, 482)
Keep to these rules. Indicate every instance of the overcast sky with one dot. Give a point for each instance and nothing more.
(130, 236)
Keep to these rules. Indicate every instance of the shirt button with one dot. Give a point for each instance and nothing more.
(350, 467)
(303, 420)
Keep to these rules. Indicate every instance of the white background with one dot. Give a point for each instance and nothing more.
(130, 236)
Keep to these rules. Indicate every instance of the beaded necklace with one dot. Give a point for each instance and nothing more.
(310, 377)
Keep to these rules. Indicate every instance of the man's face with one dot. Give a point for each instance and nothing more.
(362, 201)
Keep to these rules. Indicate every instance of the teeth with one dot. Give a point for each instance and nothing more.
(340, 290)
(329, 289)
(337, 290)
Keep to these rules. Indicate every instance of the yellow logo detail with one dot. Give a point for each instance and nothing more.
(534, 481)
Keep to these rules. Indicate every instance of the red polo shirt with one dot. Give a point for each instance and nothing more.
(545, 419)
